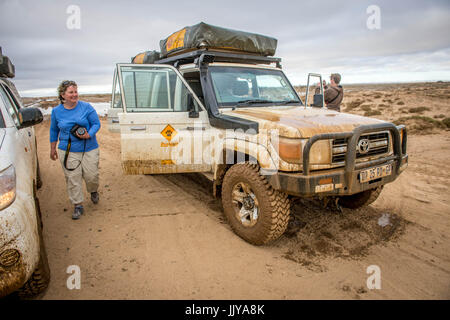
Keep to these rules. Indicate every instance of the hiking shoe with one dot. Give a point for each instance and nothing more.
(95, 197)
(77, 212)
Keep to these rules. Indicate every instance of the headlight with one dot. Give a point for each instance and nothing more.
(291, 150)
(7, 187)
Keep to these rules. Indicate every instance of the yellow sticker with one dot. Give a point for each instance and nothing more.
(176, 40)
(167, 162)
(169, 144)
(139, 58)
(169, 132)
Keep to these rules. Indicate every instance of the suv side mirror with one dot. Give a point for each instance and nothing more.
(193, 113)
(29, 117)
(318, 100)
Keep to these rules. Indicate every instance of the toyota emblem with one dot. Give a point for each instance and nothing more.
(363, 146)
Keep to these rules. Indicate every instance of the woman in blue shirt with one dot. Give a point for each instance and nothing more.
(81, 163)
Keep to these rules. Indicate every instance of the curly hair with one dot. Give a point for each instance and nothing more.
(336, 77)
(63, 87)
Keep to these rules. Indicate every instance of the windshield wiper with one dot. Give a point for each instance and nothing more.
(252, 101)
(289, 102)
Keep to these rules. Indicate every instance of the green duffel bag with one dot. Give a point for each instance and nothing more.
(204, 35)
(147, 57)
(7, 69)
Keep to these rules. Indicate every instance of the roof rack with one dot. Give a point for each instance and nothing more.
(209, 56)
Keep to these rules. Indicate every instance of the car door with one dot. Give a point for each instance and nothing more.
(159, 134)
(116, 105)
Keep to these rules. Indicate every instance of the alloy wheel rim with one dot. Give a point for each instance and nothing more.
(245, 204)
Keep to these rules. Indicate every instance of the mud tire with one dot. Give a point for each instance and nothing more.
(273, 206)
(38, 175)
(39, 280)
(361, 199)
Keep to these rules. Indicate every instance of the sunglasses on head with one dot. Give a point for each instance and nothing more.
(67, 82)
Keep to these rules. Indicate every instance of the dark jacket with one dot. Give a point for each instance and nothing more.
(333, 97)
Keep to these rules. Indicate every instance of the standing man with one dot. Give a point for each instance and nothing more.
(334, 93)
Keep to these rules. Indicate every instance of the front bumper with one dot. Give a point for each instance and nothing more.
(343, 181)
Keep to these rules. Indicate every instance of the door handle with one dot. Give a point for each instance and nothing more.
(115, 121)
(138, 128)
(195, 128)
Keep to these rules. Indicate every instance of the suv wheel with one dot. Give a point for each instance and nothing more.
(361, 199)
(255, 211)
(40, 278)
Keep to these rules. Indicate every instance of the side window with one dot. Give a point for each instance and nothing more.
(116, 98)
(10, 106)
(152, 89)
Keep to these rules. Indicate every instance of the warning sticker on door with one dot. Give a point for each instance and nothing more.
(169, 132)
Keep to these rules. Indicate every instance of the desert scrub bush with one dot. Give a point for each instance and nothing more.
(383, 106)
(353, 105)
(372, 113)
(400, 103)
(446, 122)
(377, 96)
(366, 107)
(420, 124)
(418, 110)
(439, 116)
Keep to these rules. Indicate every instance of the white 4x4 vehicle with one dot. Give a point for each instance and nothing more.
(234, 117)
(23, 260)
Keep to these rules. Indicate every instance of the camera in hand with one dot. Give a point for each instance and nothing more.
(78, 130)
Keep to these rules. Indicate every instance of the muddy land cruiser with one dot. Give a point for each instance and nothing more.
(23, 259)
(215, 101)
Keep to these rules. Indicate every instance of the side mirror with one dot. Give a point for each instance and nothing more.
(318, 100)
(29, 117)
(193, 113)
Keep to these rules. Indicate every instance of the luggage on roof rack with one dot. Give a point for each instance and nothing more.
(204, 35)
(7, 69)
(146, 57)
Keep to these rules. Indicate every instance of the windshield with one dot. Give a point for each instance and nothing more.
(235, 86)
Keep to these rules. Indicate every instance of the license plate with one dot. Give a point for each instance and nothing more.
(375, 173)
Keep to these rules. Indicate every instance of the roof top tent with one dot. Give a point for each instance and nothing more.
(207, 43)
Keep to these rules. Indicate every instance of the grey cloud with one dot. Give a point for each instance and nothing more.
(313, 36)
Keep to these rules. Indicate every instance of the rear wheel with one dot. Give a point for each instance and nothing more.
(361, 199)
(255, 211)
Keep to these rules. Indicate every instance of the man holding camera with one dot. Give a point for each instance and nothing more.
(334, 93)
(75, 123)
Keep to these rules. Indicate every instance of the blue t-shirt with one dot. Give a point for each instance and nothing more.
(64, 119)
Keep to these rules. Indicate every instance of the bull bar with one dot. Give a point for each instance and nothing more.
(345, 182)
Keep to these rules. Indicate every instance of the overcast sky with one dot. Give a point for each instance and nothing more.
(412, 43)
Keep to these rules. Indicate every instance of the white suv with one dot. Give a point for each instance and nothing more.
(23, 260)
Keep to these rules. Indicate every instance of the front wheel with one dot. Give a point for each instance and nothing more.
(40, 278)
(255, 211)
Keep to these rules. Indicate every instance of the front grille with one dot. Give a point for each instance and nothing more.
(378, 144)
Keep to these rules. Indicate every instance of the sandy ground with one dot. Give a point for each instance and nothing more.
(165, 237)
